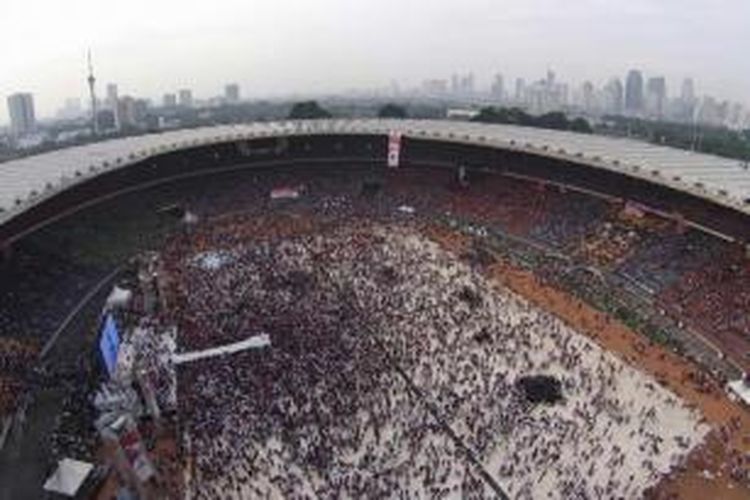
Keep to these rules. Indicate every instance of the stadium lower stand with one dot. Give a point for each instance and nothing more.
(634, 250)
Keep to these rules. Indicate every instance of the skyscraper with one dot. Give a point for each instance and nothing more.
(467, 85)
(520, 90)
(498, 88)
(112, 103)
(587, 94)
(22, 117)
(455, 84)
(688, 101)
(92, 94)
(656, 96)
(185, 98)
(634, 92)
(613, 96)
(232, 93)
(688, 90)
(169, 101)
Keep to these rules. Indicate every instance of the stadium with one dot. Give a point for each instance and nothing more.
(377, 309)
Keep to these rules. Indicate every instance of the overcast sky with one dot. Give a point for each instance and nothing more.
(272, 47)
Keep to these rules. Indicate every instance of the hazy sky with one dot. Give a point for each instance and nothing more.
(273, 47)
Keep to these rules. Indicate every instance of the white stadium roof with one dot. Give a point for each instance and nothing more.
(25, 182)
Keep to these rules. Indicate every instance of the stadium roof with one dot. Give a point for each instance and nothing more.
(27, 181)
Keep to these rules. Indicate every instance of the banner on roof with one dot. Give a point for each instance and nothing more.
(394, 149)
(109, 344)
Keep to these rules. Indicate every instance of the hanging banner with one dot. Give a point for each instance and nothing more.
(394, 149)
(109, 344)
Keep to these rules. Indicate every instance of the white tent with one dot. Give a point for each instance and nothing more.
(68, 477)
(119, 297)
(741, 389)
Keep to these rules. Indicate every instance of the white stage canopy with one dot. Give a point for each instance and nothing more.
(68, 477)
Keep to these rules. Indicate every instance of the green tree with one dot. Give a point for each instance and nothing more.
(554, 120)
(581, 125)
(391, 110)
(308, 110)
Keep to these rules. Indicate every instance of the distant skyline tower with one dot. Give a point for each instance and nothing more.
(587, 95)
(634, 92)
(169, 100)
(112, 103)
(520, 90)
(22, 116)
(613, 93)
(92, 92)
(656, 93)
(688, 101)
(687, 93)
(498, 87)
(185, 98)
(232, 93)
(112, 95)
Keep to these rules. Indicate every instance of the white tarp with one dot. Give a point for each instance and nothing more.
(68, 477)
(741, 389)
(119, 297)
(254, 342)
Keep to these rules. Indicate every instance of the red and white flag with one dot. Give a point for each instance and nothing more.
(394, 149)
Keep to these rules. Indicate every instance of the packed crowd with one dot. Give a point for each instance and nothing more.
(15, 358)
(380, 342)
(715, 298)
(663, 258)
(694, 275)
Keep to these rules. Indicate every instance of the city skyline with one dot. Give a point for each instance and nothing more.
(611, 96)
(330, 45)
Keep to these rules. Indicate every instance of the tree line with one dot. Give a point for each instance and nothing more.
(516, 116)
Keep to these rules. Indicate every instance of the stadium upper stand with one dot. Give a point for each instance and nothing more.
(27, 182)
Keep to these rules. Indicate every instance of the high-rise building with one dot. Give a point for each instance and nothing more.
(520, 96)
(687, 94)
(169, 101)
(656, 96)
(634, 92)
(22, 116)
(498, 88)
(613, 97)
(710, 111)
(71, 109)
(126, 111)
(550, 80)
(435, 87)
(185, 98)
(232, 93)
(467, 85)
(455, 84)
(111, 103)
(688, 101)
(588, 98)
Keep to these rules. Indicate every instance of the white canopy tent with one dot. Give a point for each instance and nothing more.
(68, 477)
(119, 298)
